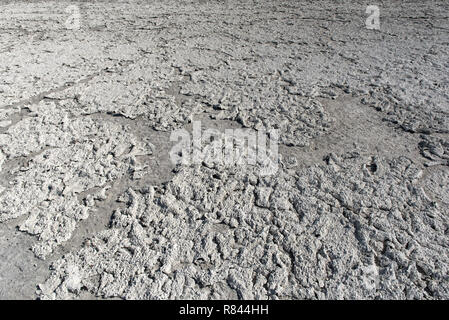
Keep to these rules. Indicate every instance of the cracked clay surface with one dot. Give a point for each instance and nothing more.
(91, 207)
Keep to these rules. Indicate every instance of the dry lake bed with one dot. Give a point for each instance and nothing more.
(224, 149)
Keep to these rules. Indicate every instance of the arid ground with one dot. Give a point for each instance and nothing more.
(93, 207)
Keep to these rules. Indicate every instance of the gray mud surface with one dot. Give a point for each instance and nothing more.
(91, 207)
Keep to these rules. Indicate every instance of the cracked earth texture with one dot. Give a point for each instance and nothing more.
(91, 206)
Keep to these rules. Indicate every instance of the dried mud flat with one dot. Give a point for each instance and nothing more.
(91, 206)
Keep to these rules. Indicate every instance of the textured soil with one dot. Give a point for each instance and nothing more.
(91, 207)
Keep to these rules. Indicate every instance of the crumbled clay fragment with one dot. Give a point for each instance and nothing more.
(65, 158)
